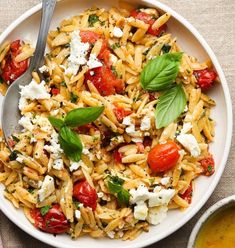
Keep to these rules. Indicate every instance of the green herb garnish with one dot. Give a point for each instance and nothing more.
(63, 84)
(13, 156)
(93, 19)
(1, 80)
(15, 138)
(115, 186)
(73, 98)
(31, 190)
(166, 48)
(115, 46)
(210, 168)
(44, 210)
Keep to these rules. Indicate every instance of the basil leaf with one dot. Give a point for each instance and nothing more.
(123, 197)
(44, 210)
(71, 144)
(82, 116)
(171, 104)
(161, 72)
(114, 187)
(58, 123)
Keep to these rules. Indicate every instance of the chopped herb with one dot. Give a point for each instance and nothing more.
(15, 138)
(44, 210)
(166, 48)
(77, 204)
(13, 156)
(31, 190)
(47, 80)
(102, 23)
(210, 168)
(151, 180)
(115, 46)
(73, 98)
(63, 84)
(93, 19)
(67, 45)
(48, 56)
(1, 80)
(146, 51)
(113, 68)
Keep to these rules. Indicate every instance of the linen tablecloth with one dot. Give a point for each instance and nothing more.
(215, 20)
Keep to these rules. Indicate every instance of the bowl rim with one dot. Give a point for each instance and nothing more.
(143, 243)
(220, 205)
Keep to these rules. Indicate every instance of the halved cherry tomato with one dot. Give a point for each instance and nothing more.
(121, 112)
(105, 81)
(208, 165)
(148, 19)
(188, 194)
(55, 91)
(205, 78)
(54, 220)
(84, 193)
(163, 157)
(89, 36)
(104, 54)
(117, 156)
(12, 69)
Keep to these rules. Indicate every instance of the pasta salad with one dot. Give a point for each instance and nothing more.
(117, 131)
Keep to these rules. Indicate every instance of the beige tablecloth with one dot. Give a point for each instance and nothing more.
(215, 19)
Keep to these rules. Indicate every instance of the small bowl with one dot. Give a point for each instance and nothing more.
(219, 206)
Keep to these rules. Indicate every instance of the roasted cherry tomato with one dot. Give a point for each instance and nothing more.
(105, 81)
(89, 36)
(54, 221)
(55, 91)
(85, 194)
(188, 194)
(117, 156)
(121, 113)
(163, 157)
(205, 78)
(12, 69)
(208, 165)
(148, 19)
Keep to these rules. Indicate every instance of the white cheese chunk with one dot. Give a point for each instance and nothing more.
(162, 197)
(58, 164)
(19, 159)
(157, 215)
(186, 128)
(165, 180)
(43, 69)
(100, 194)
(47, 188)
(190, 143)
(78, 214)
(141, 211)
(75, 165)
(26, 123)
(145, 124)
(113, 59)
(140, 194)
(127, 121)
(22, 103)
(34, 91)
(78, 53)
(111, 234)
(93, 62)
(117, 32)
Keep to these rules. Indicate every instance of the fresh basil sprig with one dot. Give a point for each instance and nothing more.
(44, 210)
(82, 116)
(161, 72)
(171, 104)
(69, 140)
(115, 186)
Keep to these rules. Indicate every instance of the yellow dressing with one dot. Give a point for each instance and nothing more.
(218, 231)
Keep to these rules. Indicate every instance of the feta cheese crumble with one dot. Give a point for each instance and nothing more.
(78, 214)
(165, 180)
(47, 188)
(141, 211)
(117, 32)
(190, 143)
(26, 122)
(43, 69)
(145, 124)
(75, 165)
(93, 62)
(157, 215)
(186, 128)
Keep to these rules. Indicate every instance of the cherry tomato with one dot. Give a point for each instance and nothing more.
(205, 78)
(121, 113)
(163, 157)
(55, 91)
(148, 19)
(117, 156)
(208, 165)
(105, 81)
(12, 69)
(85, 194)
(104, 54)
(54, 220)
(188, 194)
(89, 36)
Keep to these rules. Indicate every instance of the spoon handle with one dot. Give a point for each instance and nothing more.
(48, 7)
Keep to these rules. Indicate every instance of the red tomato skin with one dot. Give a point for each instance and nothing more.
(89, 36)
(117, 156)
(163, 157)
(148, 19)
(208, 165)
(85, 194)
(105, 81)
(188, 194)
(55, 91)
(121, 113)
(53, 222)
(12, 69)
(205, 78)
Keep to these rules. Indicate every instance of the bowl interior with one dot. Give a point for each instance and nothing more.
(27, 30)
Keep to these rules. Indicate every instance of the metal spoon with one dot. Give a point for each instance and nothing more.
(10, 110)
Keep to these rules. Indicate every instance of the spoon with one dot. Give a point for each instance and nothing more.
(10, 110)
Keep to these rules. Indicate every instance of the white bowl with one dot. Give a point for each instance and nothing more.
(217, 207)
(192, 42)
